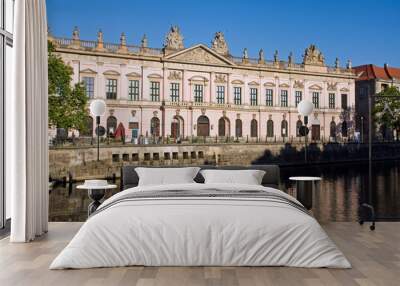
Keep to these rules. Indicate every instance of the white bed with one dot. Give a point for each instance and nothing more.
(200, 231)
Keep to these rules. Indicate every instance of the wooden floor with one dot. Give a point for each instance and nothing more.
(375, 257)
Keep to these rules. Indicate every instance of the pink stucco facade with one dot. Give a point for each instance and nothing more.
(189, 68)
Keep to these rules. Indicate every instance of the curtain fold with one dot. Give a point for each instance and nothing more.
(26, 130)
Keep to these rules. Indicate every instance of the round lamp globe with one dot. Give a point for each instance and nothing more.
(97, 107)
(305, 107)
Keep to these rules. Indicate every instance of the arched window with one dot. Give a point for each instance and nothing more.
(238, 128)
(111, 125)
(284, 128)
(270, 128)
(155, 127)
(298, 126)
(344, 129)
(253, 128)
(88, 130)
(332, 132)
(177, 125)
(203, 126)
(223, 126)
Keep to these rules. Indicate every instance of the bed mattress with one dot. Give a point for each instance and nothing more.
(201, 225)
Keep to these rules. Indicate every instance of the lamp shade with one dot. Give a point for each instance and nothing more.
(97, 107)
(305, 107)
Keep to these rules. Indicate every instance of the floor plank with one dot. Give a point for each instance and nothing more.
(375, 257)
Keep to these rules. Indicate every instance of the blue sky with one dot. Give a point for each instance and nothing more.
(365, 31)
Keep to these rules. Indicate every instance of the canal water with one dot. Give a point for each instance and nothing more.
(342, 189)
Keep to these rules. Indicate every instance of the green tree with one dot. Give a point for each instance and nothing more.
(67, 103)
(387, 109)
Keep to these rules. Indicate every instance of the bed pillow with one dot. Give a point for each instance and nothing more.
(248, 177)
(166, 176)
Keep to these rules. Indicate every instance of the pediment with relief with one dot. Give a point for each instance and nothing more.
(133, 74)
(344, 89)
(111, 72)
(199, 55)
(269, 84)
(315, 87)
(88, 71)
(198, 78)
(154, 76)
(237, 81)
(285, 85)
(253, 83)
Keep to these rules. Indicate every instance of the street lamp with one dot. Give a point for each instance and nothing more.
(97, 108)
(305, 108)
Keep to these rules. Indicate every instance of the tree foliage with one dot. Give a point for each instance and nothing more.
(387, 109)
(67, 103)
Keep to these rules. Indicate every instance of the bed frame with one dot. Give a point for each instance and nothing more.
(130, 179)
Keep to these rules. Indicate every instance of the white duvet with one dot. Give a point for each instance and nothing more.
(200, 231)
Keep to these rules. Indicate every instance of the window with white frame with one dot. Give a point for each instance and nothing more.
(269, 97)
(174, 90)
(220, 94)
(133, 90)
(155, 91)
(6, 64)
(253, 96)
(284, 98)
(237, 95)
(198, 93)
(298, 97)
(315, 99)
(111, 88)
(331, 100)
(88, 82)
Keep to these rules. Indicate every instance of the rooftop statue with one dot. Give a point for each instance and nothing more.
(144, 42)
(100, 36)
(348, 65)
(75, 33)
(261, 56)
(100, 44)
(219, 44)
(313, 56)
(122, 44)
(245, 54)
(122, 39)
(174, 39)
(290, 59)
(276, 59)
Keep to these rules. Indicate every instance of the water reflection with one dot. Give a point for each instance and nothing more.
(342, 189)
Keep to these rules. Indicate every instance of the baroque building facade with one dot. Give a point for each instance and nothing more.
(202, 91)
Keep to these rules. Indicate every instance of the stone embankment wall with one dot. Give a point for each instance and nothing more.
(82, 162)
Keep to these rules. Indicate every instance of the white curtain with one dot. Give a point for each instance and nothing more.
(26, 124)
